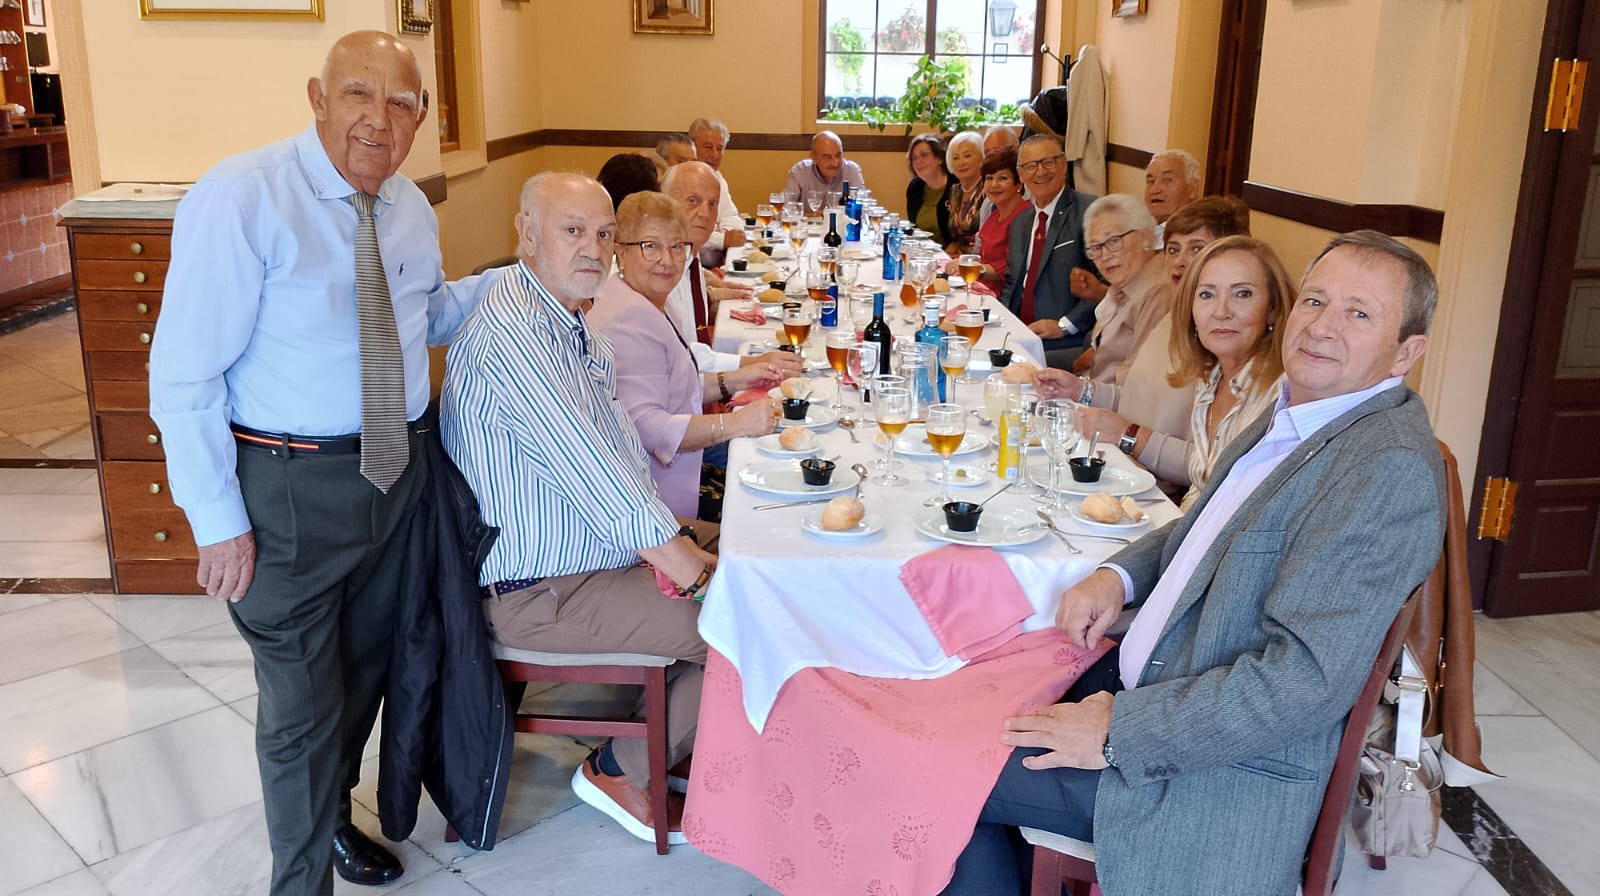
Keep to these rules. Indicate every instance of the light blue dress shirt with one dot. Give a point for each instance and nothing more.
(258, 318)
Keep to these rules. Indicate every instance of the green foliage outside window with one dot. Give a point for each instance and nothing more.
(933, 95)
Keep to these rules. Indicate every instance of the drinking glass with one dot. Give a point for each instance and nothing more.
(861, 363)
(997, 393)
(778, 200)
(891, 408)
(1024, 404)
(764, 214)
(838, 347)
(827, 259)
(954, 353)
(873, 382)
(817, 284)
(814, 203)
(969, 267)
(796, 326)
(1056, 420)
(845, 272)
(947, 427)
(920, 271)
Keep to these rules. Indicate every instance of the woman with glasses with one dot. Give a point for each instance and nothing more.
(1121, 241)
(928, 193)
(656, 376)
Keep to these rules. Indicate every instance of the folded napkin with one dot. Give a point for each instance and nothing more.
(983, 289)
(749, 395)
(748, 315)
(969, 597)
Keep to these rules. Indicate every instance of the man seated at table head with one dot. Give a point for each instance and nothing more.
(709, 138)
(1198, 760)
(827, 169)
(692, 305)
(1172, 180)
(1046, 259)
(529, 412)
(675, 149)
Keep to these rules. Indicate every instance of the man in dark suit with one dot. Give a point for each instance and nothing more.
(1198, 760)
(1046, 247)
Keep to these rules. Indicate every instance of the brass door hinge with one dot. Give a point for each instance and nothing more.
(1499, 504)
(1565, 105)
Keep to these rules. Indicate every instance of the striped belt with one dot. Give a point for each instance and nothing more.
(509, 586)
(283, 444)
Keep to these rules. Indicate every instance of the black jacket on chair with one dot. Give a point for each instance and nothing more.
(446, 722)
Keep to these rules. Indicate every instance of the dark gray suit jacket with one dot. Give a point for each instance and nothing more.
(1225, 747)
(1052, 297)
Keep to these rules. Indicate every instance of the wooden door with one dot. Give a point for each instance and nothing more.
(1543, 423)
(1233, 107)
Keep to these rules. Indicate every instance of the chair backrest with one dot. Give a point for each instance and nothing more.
(501, 262)
(1325, 837)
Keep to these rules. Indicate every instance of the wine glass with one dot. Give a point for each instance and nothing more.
(764, 214)
(827, 259)
(813, 203)
(1056, 419)
(796, 326)
(920, 271)
(947, 427)
(891, 408)
(838, 346)
(1024, 404)
(954, 353)
(861, 363)
(969, 267)
(817, 284)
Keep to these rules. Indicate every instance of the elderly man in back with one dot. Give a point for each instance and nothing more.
(997, 137)
(827, 169)
(709, 137)
(1196, 753)
(1171, 181)
(675, 149)
(529, 412)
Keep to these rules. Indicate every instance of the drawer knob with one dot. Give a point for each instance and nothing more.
(155, 488)
(153, 439)
(161, 536)
(136, 247)
(144, 338)
(138, 276)
(142, 308)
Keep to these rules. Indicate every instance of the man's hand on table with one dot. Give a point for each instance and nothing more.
(731, 293)
(227, 567)
(1074, 733)
(782, 364)
(1088, 608)
(1047, 329)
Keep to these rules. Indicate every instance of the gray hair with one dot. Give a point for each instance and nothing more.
(1191, 165)
(1011, 136)
(531, 200)
(1422, 289)
(1040, 138)
(708, 124)
(677, 172)
(962, 138)
(1129, 210)
(668, 140)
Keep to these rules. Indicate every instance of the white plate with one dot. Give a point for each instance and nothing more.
(1126, 524)
(870, 525)
(1117, 480)
(914, 443)
(783, 478)
(997, 528)
(751, 271)
(975, 475)
(818, 416)
(776, 394)
(769, 444)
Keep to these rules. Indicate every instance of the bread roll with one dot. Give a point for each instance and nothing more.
(940, 284)
(1132, 510)
(798, 438)
(796, 387)
(1101, 507)
(1019, 372)
(769, 277)
(758, 257)
(770, 296)
(843, 513)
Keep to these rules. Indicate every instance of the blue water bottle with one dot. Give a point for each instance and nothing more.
(852, 216)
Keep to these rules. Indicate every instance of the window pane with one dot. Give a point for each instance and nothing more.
(893, 73)
(902, 28)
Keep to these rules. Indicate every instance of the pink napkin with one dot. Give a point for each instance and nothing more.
(968, 596)
(741, 399)
(982, 288)
(748, 315)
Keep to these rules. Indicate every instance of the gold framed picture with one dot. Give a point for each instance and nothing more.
(1129, 7)
(672, 17)
(415, 16)
(230, 9)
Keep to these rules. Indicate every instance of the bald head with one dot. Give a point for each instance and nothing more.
(566, 234)
(695, 187)
(368, 106)
(827, 153)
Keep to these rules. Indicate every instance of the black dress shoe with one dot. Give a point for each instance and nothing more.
(360, 860)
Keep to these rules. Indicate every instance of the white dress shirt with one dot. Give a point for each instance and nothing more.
(680, 307)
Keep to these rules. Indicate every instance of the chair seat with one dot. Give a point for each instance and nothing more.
(540, 658)
(1078, 849)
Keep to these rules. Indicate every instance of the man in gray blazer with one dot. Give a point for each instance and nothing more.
(1198, 760)
(1040, 286)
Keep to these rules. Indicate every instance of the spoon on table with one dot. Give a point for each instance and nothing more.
(997, 493)
(861, 473)
(849, 426)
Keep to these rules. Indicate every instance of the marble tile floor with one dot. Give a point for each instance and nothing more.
(127, 767)
(44, 409)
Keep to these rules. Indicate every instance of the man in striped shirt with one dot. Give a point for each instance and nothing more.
(530, 414)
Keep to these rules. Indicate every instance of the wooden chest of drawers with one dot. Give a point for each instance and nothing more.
(118, 267)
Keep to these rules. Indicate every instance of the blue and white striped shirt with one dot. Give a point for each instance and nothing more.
(529, 412)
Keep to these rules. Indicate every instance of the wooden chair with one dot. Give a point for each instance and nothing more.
(520, 667)
(1065, 862)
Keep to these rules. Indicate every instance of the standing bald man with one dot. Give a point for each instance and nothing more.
(826, 169)
(289, 377)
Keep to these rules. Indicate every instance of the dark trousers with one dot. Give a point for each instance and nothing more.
(996, 860)
(319, 620)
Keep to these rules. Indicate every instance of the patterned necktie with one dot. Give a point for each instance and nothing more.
(702, 314)
(1035, 263)
(385, 450)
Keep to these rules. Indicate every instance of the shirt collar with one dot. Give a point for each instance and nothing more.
(1050, 209)
(326, 179)
(1313, 415)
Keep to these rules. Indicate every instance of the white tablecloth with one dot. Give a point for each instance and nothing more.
(783, 601)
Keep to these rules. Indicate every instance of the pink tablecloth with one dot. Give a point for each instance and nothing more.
(863, 785)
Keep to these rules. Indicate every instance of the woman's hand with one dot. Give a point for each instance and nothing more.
(757, 418)
(1052, 383)
(753, 376)
(1109, 424)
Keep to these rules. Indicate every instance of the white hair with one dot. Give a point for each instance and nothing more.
(708, 124)
(677, 172)
(960, 139)
(1128, 210)
(1191, 165)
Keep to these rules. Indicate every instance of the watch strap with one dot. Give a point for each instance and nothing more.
(1130, 438)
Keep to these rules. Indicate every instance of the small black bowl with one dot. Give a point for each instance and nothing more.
(1086, 469)
(962, 516)
(816, 471)
(740, 264)
(795, 409)
(999, 357)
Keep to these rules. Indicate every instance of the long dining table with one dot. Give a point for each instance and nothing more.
(842, 745)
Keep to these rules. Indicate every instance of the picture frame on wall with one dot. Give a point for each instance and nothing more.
(1129, 7)
(33, 13)
(228, 9)
(672, 17)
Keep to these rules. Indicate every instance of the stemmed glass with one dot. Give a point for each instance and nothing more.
(845, 272)
(861, 363)
(1025, 405)
(969, 267)
(790, 218)
(813, 203)
(838, 346)
(827, 259)
(764, 215)
(920, 271)
(797, 327)
(1056, 419)
(891, 407)
(817, 284)
(954, 353)
(947, 427)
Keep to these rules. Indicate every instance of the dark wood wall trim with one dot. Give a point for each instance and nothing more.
(435, 188)
(1416, 222)
(501, 147)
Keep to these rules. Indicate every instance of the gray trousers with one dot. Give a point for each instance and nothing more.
(319, 620)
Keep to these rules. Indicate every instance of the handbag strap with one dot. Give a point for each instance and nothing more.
(1408, 709)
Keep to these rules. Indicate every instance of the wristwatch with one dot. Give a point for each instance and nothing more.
(1107, 753)
(1063, 322)
(1130, 437)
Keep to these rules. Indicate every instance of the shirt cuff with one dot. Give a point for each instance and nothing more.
(1067, 326)
(219, 520)
(711, 361)
(1127, 581)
